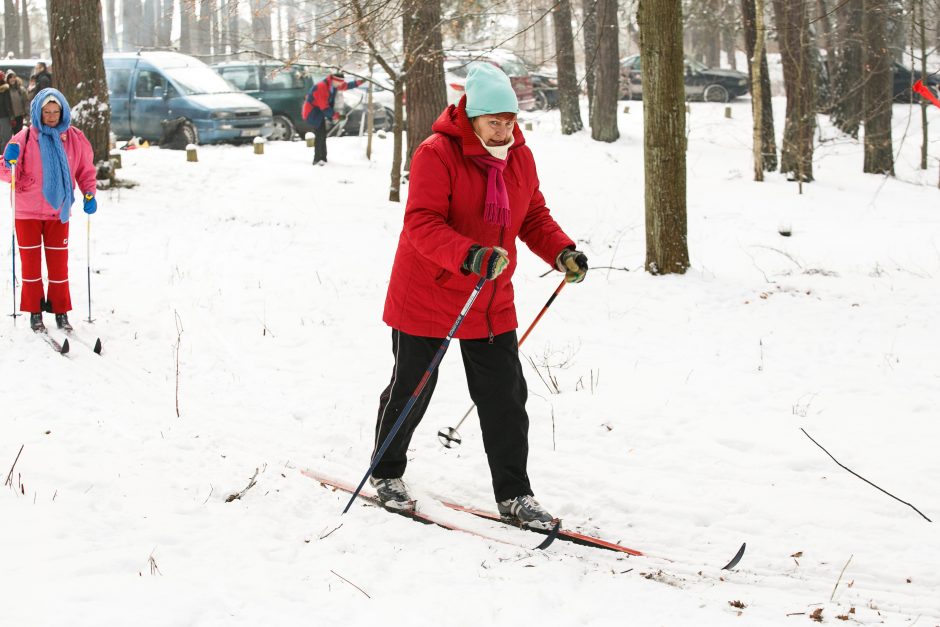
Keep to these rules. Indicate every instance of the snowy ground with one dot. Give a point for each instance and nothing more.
(675, 429)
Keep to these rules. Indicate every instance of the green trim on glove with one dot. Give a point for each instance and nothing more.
(489, 262)
(574, 264)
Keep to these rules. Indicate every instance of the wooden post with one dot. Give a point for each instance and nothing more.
(191, 153)
(626, 109)
(728, 112)
(259, 145)
(310, 138)
(528, 126)
(116, 159)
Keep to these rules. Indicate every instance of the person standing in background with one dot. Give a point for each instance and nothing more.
(320, 106)
(19, 99)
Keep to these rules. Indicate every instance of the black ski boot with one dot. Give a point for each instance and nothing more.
(35, 322)
(62, 322)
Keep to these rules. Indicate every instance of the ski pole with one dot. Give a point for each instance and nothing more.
(13, 234)
(88, 260)
(414, 395)
(449, 436)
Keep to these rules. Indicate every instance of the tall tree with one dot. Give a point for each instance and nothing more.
(568, 102)
(26, 39)
(187, 21)
(77, 56)
(589, 32)
(848, 78)
(664, 140)
(876, 93)
(148, 32)
(204, 29)
(760, 82)
(261, 27)
(110, 23)
(424, 69)
(165, 23)
(607, 84)
(799, 80)
(11, 28)
(132, 11)
(233, 31)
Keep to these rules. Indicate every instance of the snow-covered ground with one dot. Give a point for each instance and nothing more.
(675, 427)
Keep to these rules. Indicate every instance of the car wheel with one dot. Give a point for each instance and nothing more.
(188, 131)
(541, 100)
(283, 129)
(715, 93)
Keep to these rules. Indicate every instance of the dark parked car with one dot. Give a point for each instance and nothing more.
(546, 89)
(283, 88)
(904, 79)
(701, 82)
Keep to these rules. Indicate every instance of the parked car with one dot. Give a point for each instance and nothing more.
(904, 79)
(545, 85)
(701, 82)
(283, 88)
(457, 64)
(147, 89)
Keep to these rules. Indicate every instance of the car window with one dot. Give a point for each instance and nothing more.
(119, 81)
(244, 78)
(147, 82)
(281, 78)
(696, 65)
(512, 67)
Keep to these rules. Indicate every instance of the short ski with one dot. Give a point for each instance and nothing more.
(563, 534)
(416, 515)
(62, 348)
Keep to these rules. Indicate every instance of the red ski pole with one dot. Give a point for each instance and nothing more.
(449, 436)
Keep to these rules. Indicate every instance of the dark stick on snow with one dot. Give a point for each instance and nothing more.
(861, 477)
(238, 495)
(350, 583)
(9, 481)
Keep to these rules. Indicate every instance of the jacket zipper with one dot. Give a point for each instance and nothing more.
(489, 324)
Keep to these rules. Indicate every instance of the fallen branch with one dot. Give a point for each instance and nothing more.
(861, 477)
(835, 587)
(350, 583)
(9, 481)
(238, 495)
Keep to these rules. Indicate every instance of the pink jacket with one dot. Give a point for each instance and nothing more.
(30, 202)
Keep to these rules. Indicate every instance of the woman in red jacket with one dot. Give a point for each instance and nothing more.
(473, 190)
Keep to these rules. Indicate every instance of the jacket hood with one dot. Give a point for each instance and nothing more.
(454, 123)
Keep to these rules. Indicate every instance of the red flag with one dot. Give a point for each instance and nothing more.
(921, 89)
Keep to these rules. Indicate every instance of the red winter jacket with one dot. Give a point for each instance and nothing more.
(444, 218)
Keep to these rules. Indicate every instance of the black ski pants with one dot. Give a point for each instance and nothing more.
(319, 142)
(497, 386)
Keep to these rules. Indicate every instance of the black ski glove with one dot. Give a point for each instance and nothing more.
(573, 263)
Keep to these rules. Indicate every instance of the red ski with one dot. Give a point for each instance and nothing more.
(416, 515)
(563, 534)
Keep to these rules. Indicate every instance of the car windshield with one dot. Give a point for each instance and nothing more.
(695, 65)
(198, 80)
(512, 67)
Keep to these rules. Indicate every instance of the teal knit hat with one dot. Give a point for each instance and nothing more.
(489, 91)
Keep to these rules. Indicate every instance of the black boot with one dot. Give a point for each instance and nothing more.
(35, 322)
(62, 322)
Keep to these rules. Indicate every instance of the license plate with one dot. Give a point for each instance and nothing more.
(251, 132)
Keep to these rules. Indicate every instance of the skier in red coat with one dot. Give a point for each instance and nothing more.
(473, 190)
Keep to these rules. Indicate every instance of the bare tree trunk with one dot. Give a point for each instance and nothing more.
(261, 27)
(799, 80)
(187, 18)
(757, 55)
(877, 100)
(424, 69)
(824, 20)
(760, 83)
(568, 102)
(846, 109)
(589, 32)
(26, 39)
(148, 21)
(607, 86)
(132, 12)
(664, 141)
(77, 56)
(204, 29)
(922, 35)
(11, 28)
(110, 23)
(234, 37)
(292, 31)
(165, 23)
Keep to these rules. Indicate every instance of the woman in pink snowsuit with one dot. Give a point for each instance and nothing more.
(49, 158)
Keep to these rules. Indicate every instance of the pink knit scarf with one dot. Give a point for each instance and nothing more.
(496, 210)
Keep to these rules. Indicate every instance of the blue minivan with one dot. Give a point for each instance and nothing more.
(149, 88)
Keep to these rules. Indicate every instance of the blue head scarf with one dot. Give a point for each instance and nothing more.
(57, 185)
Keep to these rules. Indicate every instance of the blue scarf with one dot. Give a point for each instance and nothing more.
(57, 182)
